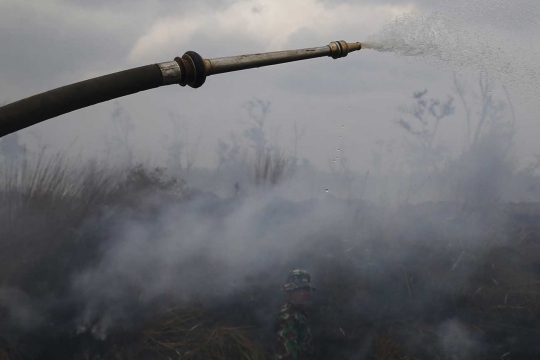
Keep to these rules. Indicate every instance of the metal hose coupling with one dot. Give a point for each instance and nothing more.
(186, 70)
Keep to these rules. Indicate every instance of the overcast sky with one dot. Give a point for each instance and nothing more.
(348, 103)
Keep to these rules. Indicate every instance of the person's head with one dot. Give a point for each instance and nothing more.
(299, 296)
(298, 286)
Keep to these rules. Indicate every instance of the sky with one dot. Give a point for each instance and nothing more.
(350, 104)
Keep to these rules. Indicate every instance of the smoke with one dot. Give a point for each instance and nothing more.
(211, 249)
(20, 311)
(204, 248)
(457, 341)
(376, 267)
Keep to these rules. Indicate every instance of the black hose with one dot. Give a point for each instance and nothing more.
(38, 108)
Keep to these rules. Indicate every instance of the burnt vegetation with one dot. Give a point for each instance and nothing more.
(134, 262)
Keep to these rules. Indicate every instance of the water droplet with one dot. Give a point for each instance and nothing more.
(327, 190)
(338, 149)
(342, 126)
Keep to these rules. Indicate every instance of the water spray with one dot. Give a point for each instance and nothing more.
(191, 69)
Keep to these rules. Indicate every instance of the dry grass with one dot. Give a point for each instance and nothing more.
(189, 333)
(385, 347)
(4, 355)
(7, 348)
(270, 168)
(42, 201)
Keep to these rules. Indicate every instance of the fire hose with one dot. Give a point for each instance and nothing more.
(190, 69)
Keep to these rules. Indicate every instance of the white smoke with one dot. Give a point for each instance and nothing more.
(457, 341)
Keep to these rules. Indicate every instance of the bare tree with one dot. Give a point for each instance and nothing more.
(490, 111)
(120, 142)
(181, 151)
(460, 90)
(298, 135)
(227, 153)
(487, 105)
(422, 123)
(341, 169)
(484, 164)
(271, 165)
(257, 110)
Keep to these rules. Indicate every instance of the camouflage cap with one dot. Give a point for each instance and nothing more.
(298, 279)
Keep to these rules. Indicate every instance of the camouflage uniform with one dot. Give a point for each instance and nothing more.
(294, 341)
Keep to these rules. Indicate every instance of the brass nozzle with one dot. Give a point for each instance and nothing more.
(341, 48)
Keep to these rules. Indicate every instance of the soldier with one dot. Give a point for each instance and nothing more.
(293, 333)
